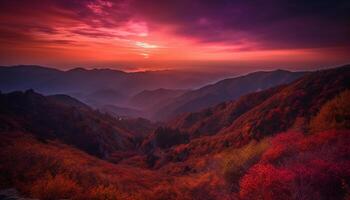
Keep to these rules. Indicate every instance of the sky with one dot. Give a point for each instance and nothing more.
(175, 34)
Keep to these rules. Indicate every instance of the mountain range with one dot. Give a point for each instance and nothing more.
(98, 87)
(281, 130)
(139, 94)
(83, 81)
(225, 90)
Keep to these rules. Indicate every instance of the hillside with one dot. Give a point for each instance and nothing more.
(297, 102)
(150, 99)
(121, 112)
(53, 170)
(259, 146)
(68, 101)
(254, 116)
(213, 119)
(104, 97)
(66, 119)
(225, 90)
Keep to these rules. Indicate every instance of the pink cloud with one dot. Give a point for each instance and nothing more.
(99, 6)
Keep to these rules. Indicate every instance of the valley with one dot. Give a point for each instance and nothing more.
(262, 142)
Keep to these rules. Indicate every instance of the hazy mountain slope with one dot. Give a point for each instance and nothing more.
(149, 99)
(52, 81)
(118, 111)
(67, 100)
(103, 97)
(211, 120)
(79, 80)
(26, 77)
(228, 89)
(98, 87)
(56, 118)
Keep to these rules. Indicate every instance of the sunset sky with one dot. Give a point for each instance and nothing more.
(177, 34)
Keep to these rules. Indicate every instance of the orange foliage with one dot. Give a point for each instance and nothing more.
(240, 160)
(334, 114)
(56, 171)
(105, 193)
(57, 187)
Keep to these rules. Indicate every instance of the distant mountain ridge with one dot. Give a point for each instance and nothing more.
(141, 90)
(225, 90)
(48, 80)
(97, 87)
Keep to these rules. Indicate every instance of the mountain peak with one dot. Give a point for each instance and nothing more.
(78, 69)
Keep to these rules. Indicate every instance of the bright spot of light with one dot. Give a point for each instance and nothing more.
(146, 45)
(145, 55)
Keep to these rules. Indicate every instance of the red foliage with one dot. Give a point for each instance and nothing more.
(55, 171)
(282, 146)
(301, 167)
(264, 181)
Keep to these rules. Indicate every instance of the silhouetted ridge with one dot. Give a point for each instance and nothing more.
(225, 90)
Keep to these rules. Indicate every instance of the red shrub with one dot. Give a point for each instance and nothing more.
(266, 182)
(282, 146)
(301, 167)
(51, 188)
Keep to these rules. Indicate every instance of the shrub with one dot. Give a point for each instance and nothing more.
(54, 187)
(264, 181)
(170, 192)
(335, 114)
(282, 147)
(105, 193)
(240, 160)
(301, 167)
